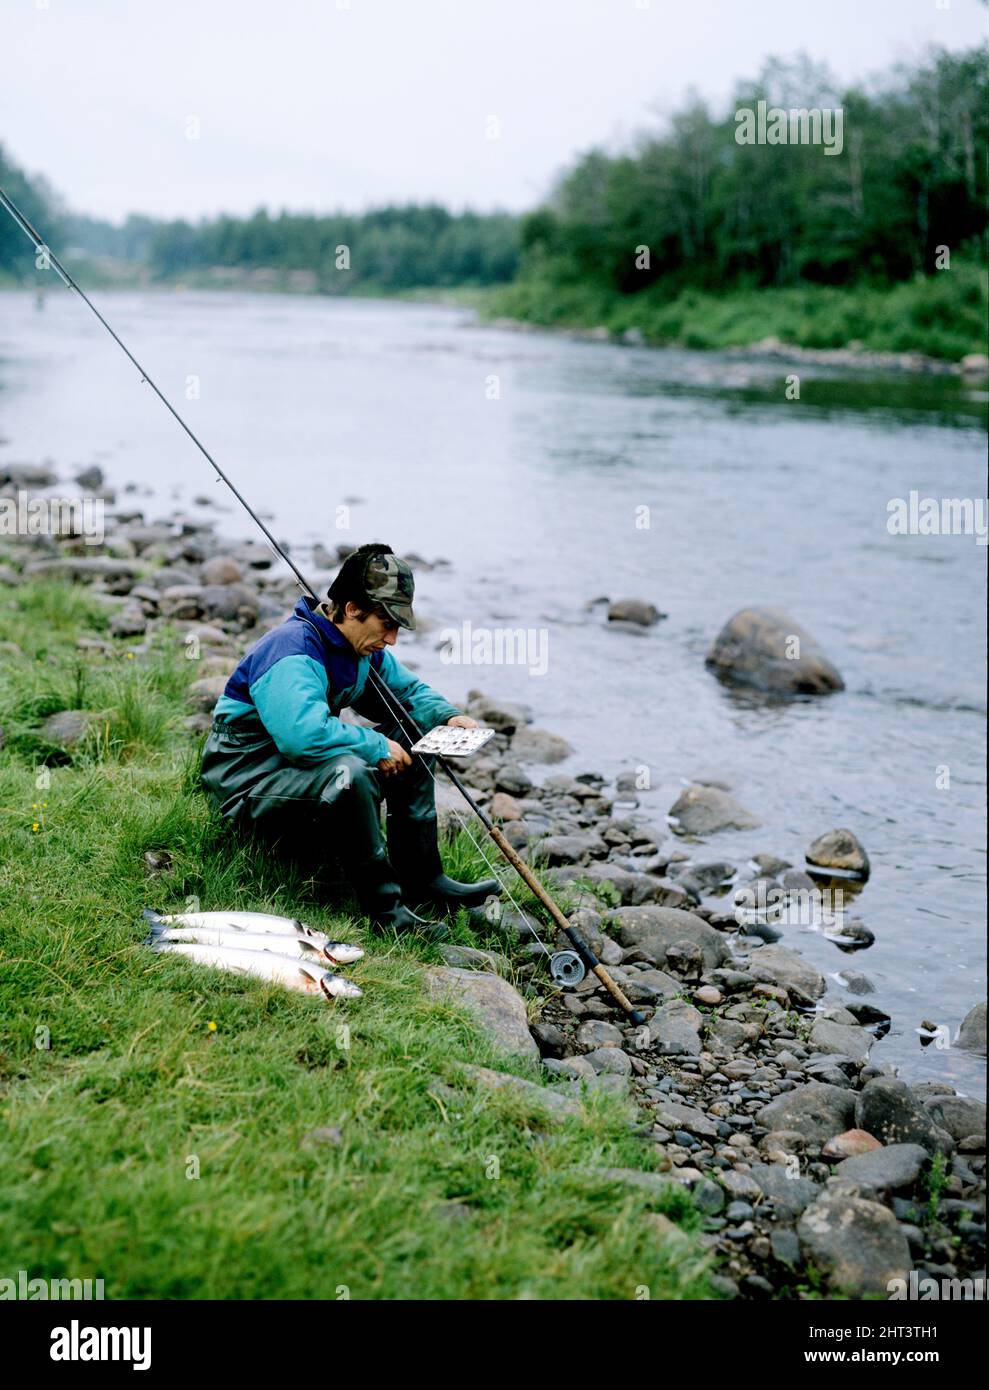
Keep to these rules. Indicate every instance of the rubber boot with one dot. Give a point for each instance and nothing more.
(380, 899)
(356, 815)
(414, 845)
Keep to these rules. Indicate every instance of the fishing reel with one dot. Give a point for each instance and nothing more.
(567, 968)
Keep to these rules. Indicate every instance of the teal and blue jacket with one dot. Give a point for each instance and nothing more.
(295, 681)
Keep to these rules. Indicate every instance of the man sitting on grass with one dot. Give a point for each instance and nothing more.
(278, 755)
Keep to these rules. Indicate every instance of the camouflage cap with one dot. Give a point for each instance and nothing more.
(388, 580)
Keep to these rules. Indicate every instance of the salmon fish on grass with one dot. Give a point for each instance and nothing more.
(207, 924)
(308, 977)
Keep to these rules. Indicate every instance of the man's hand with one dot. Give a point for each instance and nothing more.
(397, 759)
(462, 721)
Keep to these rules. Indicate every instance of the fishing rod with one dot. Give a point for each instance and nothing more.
(402, 716)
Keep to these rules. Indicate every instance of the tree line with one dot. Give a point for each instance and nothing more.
(691, 206)
(695, 206)
(390, 248)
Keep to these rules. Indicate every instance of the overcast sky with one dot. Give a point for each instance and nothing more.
(323, 104)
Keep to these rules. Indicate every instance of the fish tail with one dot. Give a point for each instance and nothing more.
(156, 927)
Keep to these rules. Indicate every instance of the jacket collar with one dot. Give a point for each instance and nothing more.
(305, 609)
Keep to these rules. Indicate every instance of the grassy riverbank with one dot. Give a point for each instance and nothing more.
(942, 316)
(340, 1151)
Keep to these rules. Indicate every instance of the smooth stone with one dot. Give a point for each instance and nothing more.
(770, 864)
(817, 1111)
(552, 1041)
(855, 982)
(575, 1068)
(69, 727)
(472, 958)
(781, 966)
(850, 1144)
(569, 849)
(700, 810)
(632, 887)
(204, 693)
(654, 929)
(958, 1115)
(756, 648)
(558, 1105)
(500, 714)
(890, 1168)
(972, 1034)
(27, 475)
(674, 1029)
(709, 1197)
(848, 1040)
(839, 849)
(539, 746)
(739, 1211)
(887, 1109)
(221, 569)
(856, 1244)
(498, 1008)
(654, 1184)
(609, 1060)
(596, 1033)
(513, 779)
(741, 1184)
(504, 807)
(789, 1195)
(634, 610)
(83, 569)
(676, 1115)
(785, 1246)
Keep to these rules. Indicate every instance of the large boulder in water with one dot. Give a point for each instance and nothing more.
(840, 849)
(634, 610)
(972, 1035)
(765, 648)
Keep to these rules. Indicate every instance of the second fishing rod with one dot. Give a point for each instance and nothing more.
(45, 258)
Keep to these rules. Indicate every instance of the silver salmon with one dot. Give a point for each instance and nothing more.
(253, 924)
(307, 976)
(304, 976)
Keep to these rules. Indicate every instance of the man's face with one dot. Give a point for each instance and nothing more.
(375, 632)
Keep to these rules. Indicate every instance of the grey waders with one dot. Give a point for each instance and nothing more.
(335, 807)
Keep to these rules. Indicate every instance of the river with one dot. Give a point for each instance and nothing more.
(532, 463)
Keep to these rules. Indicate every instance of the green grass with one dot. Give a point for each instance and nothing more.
(942, 315)
(154, 1114)
(932, 1183)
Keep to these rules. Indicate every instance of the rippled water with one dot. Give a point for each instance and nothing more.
(525, 460)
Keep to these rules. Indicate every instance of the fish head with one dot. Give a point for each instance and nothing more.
(342, 953)
(336, 987)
